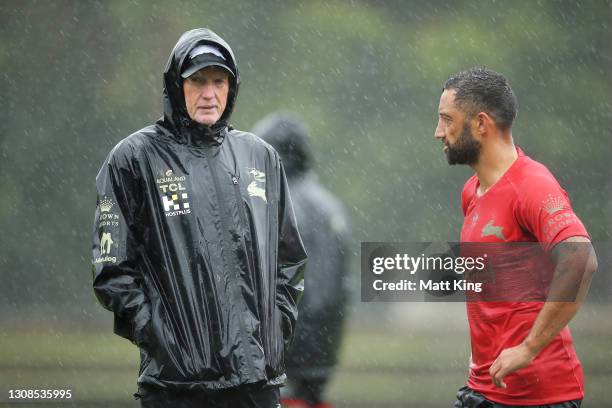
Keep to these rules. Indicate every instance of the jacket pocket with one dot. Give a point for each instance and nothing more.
(147, 335)
(160, 345)
(157, 333)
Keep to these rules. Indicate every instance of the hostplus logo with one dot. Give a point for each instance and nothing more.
(174, 195)
(173, 203)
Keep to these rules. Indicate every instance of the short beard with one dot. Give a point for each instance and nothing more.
(465, 150)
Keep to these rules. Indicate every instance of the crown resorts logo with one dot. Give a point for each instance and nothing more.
(106, 218)
(106, 204)
(553, 204)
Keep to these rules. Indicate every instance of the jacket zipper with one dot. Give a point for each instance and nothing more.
(227, 240)
(240, 204)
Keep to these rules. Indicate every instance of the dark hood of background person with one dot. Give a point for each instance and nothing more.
(176, 119)
(286, 132)
(325, 231)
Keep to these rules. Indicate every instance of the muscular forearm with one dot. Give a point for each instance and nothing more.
(575, 264)
(553, 317)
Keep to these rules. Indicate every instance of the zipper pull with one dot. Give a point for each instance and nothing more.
(234, 180)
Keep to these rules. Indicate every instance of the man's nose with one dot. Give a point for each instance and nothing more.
(208, 91)
(439, 132)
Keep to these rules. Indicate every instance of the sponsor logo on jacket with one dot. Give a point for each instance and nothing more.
(257, 187)
(174, 195)
(106, 218)
(106, 204)
(106, 245)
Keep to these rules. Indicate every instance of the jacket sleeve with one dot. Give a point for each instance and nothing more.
(116, 280)
(291, 263)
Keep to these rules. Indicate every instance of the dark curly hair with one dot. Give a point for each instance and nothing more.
(480, 89)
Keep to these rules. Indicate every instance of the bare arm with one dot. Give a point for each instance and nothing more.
(575, 264)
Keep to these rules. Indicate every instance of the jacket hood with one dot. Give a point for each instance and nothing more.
(288, 134)
(175, 112)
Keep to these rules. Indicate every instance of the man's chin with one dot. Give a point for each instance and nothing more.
(206, 121)
(450, 158)
(454, 160)
(460, 157)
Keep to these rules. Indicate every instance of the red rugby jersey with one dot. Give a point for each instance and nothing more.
(526, 205)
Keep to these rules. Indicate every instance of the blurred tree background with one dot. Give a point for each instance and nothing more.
(78, 76)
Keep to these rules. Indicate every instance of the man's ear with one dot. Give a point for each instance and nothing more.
(484, 124)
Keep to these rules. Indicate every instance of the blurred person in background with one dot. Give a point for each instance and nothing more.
(196, 249)
(522, 352)
(324, 227)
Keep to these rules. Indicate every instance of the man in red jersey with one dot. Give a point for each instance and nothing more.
(522, 352)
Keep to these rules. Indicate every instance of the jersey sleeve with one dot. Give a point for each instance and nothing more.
(545, 211)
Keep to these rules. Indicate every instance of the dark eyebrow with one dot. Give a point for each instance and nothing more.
(445, 115)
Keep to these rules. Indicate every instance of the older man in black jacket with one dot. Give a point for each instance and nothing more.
(195, 245)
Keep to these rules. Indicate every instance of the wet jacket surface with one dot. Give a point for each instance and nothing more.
(195, 245)
(325, 229)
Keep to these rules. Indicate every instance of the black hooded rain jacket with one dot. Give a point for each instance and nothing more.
(195, 245)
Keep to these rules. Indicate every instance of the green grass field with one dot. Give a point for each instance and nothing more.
(382, 365)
